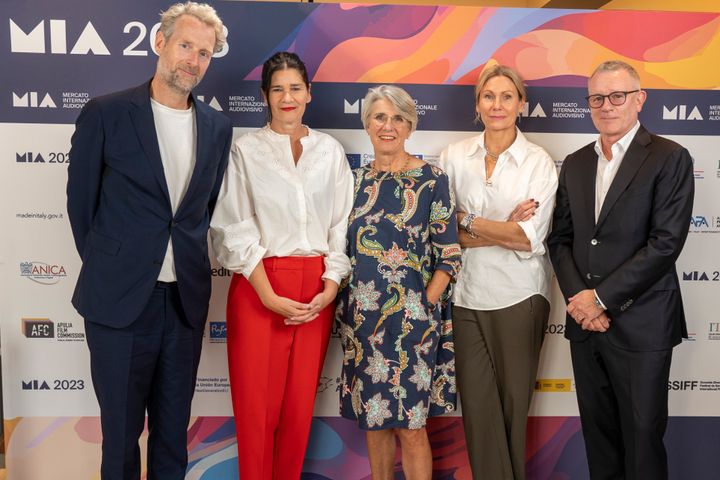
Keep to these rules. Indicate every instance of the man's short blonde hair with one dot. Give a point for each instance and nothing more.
(202, 11)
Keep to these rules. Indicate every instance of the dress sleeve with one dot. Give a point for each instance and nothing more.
(337, 263)
(234, 229)
(443, 227)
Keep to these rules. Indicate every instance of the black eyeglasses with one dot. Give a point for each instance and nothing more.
(615, 98)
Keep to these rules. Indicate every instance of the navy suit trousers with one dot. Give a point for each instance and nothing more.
(623, 401)
(149, 366)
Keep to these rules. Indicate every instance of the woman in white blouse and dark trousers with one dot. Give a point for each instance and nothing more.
(280, 224)
(505, 191)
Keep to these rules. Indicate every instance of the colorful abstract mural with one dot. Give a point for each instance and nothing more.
(451, 45)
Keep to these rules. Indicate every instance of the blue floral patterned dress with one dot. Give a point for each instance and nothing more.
(398, 364)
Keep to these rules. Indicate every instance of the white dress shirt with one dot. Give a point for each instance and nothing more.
(606, 169)
(494, 277)
(271, 207)
(176, 138)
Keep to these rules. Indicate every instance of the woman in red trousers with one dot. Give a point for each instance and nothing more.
(280, 225)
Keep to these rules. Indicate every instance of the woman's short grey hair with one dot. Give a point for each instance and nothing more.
(398, 97)
(614, 66)
(202, 11)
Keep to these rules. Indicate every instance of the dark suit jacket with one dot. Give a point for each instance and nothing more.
(120, 212)
(629, 255)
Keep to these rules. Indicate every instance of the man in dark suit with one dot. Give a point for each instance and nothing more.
(621, 219)
(147, 164)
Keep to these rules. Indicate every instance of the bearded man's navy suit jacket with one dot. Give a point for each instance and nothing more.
(120, 210)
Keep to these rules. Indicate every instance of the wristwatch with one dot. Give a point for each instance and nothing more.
(598, 303)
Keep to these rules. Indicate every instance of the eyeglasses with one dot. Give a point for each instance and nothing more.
(382, 118)
(615, 98)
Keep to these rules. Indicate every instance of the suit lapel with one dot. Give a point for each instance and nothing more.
(631, 163)
(142, 118)
(202, 146)
(587, 182)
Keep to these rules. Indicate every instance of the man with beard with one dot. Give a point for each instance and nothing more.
(147, 167)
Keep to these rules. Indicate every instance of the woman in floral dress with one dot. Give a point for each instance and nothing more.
(398, 365)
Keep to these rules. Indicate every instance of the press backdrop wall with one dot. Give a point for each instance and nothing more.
(55, 56)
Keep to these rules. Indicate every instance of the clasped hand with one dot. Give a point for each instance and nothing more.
(297, 313)
(586, 313)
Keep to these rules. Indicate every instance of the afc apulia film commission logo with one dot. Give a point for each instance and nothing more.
(38, 327)
(43, 327)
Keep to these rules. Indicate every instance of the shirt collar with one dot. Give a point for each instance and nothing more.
(622, 145)
(281, 137)
(517, 151)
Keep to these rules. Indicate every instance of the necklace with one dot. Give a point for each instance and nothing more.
(492, 155)
(495, 157)
(488, 181)
(402, 169)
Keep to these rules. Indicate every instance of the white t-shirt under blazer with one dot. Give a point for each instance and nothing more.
(176, 134)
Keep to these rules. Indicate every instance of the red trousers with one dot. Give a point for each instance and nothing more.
(274, 369)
